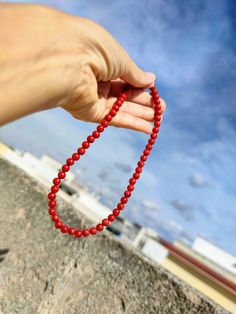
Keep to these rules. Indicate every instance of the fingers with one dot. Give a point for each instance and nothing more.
(128, 121)
(136, 95)
(134, 75)
(140, 98)
(134, 116)
(140, 111)
(117, 88)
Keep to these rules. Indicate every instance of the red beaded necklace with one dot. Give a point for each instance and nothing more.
(82, 150)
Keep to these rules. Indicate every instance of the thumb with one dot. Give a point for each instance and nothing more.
(135, 76)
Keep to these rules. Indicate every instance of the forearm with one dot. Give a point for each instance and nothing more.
(28, 86)
(19, 86)
(30, 68)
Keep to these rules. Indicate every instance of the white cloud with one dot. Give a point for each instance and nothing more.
(181, 204)
(196, 180)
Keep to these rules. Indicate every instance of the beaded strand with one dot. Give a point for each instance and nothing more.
(82, 150)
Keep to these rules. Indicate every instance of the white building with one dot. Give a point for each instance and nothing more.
(45, 169)
(215, 254)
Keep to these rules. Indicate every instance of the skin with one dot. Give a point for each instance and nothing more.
(51, 59)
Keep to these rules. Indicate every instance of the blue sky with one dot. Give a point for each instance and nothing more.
(188, 185)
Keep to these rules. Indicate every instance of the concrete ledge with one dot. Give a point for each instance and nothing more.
(43, 271)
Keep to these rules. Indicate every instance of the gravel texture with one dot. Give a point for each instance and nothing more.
(43, 271)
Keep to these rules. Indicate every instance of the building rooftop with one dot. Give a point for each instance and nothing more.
(43, 271)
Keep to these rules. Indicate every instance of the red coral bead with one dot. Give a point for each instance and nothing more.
(158, 112)
(58, 224)
(90, 139)
(157, 117)
(99, 227)
(56, 181)
(54, 188)
(124, 95)
(55, 217)
(78, 233)
(116, 212)
(71, 231)
(61, 174)
(120, 206)
(52, 204)
(156, 97)
(76, 156)
(132, 181)
(138, 169)
(85, 144)
(157, 104)
(108, 117)
(93, 230)
(154, 135)
(64, 229)
(116, 108)
(85, 232)
(112, 112)
(51, 196)
(157, 123)
(136, 175)
(119, 102)
(130, 187)
(65, 168)
(111, 217)
(155, 129)
(124, 200)
(143, 158)
(100, 128)
(140, 163)
(96, 134)
(146, 152)
(151, 141)
(52, 211)
(105, 222)
(70, 162)
(81, 150)
(154, 90)
(148, 147)
(104, 123)
(127, 194)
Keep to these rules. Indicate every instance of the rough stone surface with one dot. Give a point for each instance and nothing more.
(43, 271)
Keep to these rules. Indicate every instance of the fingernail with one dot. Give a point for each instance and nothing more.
(150, 76)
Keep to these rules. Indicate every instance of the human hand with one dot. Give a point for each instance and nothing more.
(107, 69)
(67, 61)
(136, 112)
